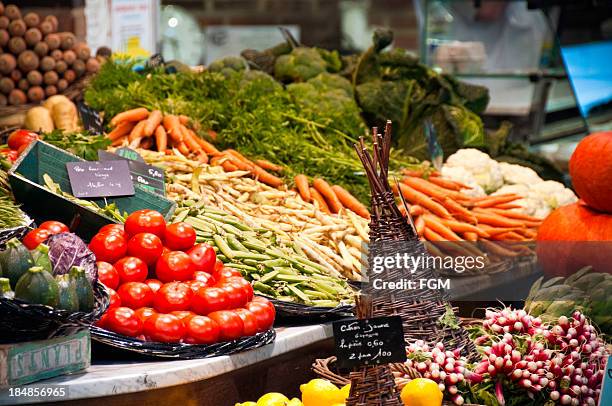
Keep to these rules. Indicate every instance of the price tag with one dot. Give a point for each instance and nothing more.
(605, 398)
(148, 176)
(100, 179)
(374, 341)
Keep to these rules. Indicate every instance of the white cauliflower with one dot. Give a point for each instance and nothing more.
(530, 205)
(486, 171)
(555, 194)
(461, 175)
(517, 174)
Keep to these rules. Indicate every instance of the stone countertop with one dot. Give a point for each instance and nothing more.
(115, 378)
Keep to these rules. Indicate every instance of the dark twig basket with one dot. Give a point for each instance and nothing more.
(290, 311)
(21, 321)
(426, 313)
(179, 350)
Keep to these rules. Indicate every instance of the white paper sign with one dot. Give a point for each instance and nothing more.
(134, 25)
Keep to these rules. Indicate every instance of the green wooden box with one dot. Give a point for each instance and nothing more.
(26, 179)
(24, 363)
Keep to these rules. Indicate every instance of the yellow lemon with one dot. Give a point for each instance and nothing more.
(345, 391)
(319, 392)
(295, 402)
(273, 399)
(421, 392)
(246, 404)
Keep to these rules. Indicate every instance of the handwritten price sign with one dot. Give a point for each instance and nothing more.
(100, 179)
(372, 341)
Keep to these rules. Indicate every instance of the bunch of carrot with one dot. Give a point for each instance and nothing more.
(440, 212)
(141, 128)
(330, 199)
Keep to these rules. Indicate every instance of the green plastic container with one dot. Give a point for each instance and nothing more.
(26, 179)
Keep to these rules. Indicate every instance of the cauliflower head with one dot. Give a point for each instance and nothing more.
(484, 169)
(461, 175)
(517, 174)
(555, 194)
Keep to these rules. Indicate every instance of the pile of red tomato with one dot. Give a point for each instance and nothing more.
(39, 235)
(166, 288)
(17, 142)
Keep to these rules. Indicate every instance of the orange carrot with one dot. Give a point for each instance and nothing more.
(497, 249)
(413, 172)
(495, 200)
(509, 236)
(460, 227)
(151, 123)
(496, 230)
(459, 211)
(183, 119)
(447, 183)
(421, 199)
(183, 148)
(191, 143)
(350, 202)
(416, 210)
(257, 172)
(508, 206)
(266, 177)
(161, 138)
(496, 220)
(122, 129)
(320, 200)
(136, 133)
(301, 182)
(470, 236)
(419, 225)
(437, 226)
(328, 193)
(238, 155)
(513, 214)
(431, 235)
(426, 187)
(269, 165)
(173, 128)
(119, 141)
(130, 115)
(206, 146)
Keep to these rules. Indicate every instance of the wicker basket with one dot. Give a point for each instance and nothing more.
(178, 350)
(22, 321)
(290, 311)
(16, 232)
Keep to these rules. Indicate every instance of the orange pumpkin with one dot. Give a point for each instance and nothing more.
(575, 236)
(591, 170)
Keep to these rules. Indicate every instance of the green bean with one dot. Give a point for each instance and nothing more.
(299, 293)
(225, 249)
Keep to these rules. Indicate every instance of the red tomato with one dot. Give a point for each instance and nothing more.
(115, 299)
(9, 154)
(246, 286)
(132, 269)
(18, 138)
(145, 221)
(249, 321)
(196, 285)
(109, 247)
(113, 228)
(174, 266)
(54, 227)
(123, 320)
(135, 295)
(102, 322)
(183, 314)
(144, 313)
(264, 313)
(236, 296)
(230, 323)
(204, 277)
(165, 328)
(203, 257)
(201, 330)
(35, 237)
(154, 284)
(179, 236)
(172, 297)
(209, 300)
(145, 246)
(108, 275)
(226, 273)
(218, 266)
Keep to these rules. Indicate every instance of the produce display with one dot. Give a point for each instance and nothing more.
(317, 392)
(51, 267)
(190, 297)
(37, 61)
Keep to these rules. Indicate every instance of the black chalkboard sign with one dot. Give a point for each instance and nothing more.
(100, 179)
(149, 176)
(90, 118)
(374, 341)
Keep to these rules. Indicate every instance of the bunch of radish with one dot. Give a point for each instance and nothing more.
(36, 61)
(563, 362)
(446, 368)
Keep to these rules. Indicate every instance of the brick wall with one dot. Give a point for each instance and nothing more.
(319, 20)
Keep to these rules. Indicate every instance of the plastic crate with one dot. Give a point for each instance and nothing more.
(26, 179)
